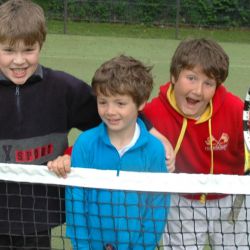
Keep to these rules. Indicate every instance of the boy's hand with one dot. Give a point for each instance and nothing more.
(170, 155)
(61, 166)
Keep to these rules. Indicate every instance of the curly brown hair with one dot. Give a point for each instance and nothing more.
(124, 75)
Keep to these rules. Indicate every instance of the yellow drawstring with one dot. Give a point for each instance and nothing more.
(203, 196)
(247, 159)
(181, 135)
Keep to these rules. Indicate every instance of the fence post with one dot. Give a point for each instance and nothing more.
(65, 16)
(177, 19)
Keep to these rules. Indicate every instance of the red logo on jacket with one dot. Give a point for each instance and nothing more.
(218, 144)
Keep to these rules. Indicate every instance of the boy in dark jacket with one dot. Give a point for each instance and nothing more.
(38, 107)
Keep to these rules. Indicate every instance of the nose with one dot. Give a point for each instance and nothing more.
(110, 109)
(198, 88)
(18, 58)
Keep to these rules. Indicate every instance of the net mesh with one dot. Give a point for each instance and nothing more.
(129, 211)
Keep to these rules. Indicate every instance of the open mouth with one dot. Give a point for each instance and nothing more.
(19, 73)
(191, 101)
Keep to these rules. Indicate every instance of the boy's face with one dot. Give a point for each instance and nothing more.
(193, 91)
(18, 62)
(118, 112)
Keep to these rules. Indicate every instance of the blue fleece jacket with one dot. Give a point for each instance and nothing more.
(122, 219)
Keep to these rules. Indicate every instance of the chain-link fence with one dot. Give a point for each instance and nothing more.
(202, 13)
(175, 13)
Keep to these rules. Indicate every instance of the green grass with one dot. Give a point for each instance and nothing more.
(81, 55)
(59, 241)
(146, 31)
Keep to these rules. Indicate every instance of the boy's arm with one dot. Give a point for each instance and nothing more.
(170, 155)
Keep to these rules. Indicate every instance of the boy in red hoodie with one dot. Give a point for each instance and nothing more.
(203, 122)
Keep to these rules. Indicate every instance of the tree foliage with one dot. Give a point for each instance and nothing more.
(204, 13)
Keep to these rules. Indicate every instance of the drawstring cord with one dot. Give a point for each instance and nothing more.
(204, 196)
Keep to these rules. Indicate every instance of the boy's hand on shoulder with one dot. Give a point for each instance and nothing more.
(61, 166)
(170, 158)
(170, 154)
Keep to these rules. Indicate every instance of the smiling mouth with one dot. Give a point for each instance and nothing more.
(112, 121)
(18, 73)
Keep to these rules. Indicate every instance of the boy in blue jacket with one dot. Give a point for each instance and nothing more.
(105, 219)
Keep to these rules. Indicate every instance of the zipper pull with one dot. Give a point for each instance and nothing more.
(17, 90)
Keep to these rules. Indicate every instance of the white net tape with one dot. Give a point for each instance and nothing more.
(231, 226)
(139, 181)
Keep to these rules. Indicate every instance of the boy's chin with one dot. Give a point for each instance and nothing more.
(19, 82)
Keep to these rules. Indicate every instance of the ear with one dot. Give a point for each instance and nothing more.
(141, 107)
(172, 80)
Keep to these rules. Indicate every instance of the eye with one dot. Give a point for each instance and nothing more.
(191, 77)
(121, 104)
(8, 49)
(101, 102)
(210, 83)
(29, 49)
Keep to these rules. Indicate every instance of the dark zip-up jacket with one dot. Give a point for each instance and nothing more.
(35, 119)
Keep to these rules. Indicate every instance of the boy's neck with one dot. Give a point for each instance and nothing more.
(120, 139)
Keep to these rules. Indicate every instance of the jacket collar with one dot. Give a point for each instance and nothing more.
(143, 138)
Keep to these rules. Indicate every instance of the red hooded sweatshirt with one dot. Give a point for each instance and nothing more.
(213, 144)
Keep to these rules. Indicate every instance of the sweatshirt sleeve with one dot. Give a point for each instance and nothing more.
(82, 107)
(68, 151)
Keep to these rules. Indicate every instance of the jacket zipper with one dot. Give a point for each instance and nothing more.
(18, 102)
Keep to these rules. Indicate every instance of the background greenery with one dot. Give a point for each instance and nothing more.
(202, 13)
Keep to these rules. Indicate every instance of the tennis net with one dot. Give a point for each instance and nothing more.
(129, 211)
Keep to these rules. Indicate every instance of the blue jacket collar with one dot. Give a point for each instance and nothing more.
(143, 138)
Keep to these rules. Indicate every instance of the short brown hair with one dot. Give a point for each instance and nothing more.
(124, 75)
(22, 20)
(202, 52)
